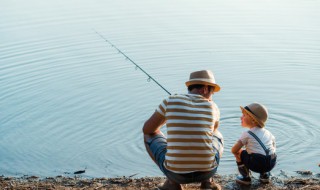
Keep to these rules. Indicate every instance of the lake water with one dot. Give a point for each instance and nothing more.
(69, 101)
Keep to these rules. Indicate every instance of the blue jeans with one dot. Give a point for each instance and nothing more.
(158, 147)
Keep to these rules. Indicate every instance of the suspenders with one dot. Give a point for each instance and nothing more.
(259, 141)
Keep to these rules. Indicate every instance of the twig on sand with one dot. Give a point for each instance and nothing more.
(133, 175)
(79, 172)
(305, 187)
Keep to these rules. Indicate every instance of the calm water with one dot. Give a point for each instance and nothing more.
(69, 101)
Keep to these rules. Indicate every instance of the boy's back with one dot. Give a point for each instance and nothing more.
(253, 146)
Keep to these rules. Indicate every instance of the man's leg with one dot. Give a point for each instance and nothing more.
(170, 185)
(148, 139)
(209, 183)
(156, 146)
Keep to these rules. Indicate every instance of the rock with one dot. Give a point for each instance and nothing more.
(304, 172)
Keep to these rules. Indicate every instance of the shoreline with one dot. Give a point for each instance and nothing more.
(130, 183)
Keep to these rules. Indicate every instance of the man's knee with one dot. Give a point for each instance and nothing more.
(155, 145)
(149, 137)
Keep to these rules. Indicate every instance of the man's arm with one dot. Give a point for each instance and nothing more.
(153, 124)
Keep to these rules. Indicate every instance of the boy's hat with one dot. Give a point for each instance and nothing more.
(204, 77)
(258, 112)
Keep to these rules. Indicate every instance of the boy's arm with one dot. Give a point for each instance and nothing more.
(236, 147)
(216, 125)
(236, 150)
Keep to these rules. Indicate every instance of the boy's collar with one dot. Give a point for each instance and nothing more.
(255, 128)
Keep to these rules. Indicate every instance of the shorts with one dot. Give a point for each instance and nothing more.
(158, 147)
(257, 162)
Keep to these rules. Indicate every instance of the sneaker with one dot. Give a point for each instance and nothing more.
(207, 185)
(243, 180)
(265, 177)
(170, 185)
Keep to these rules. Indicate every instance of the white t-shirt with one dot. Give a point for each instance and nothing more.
(253, 146)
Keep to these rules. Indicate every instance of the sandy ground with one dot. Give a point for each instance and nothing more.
(150, 183)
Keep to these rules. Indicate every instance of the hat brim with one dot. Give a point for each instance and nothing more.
(216, 86)
(252, 116)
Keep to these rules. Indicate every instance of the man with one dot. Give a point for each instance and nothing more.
(193, 147)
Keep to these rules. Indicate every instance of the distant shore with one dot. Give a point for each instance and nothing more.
(148, 183)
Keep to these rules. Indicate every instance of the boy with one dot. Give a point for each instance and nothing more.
(260, 146)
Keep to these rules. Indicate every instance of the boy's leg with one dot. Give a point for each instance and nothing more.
(244, 178)
(265, 177)
(243, 170)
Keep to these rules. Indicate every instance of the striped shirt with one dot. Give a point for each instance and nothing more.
(190, 122)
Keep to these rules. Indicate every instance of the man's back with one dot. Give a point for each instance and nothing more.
(190, 120)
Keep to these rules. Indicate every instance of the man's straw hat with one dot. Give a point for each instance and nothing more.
(258, 112)
(204, 77)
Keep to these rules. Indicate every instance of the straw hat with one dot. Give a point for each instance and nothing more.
(204, 77)
(258, 112)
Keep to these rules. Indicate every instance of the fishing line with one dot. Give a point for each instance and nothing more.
(128, 58)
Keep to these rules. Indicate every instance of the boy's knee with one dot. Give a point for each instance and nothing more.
(236, 153)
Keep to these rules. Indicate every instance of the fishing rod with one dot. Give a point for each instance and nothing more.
(128, 58)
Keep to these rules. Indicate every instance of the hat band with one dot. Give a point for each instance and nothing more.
(202, 79)
(247, 108)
